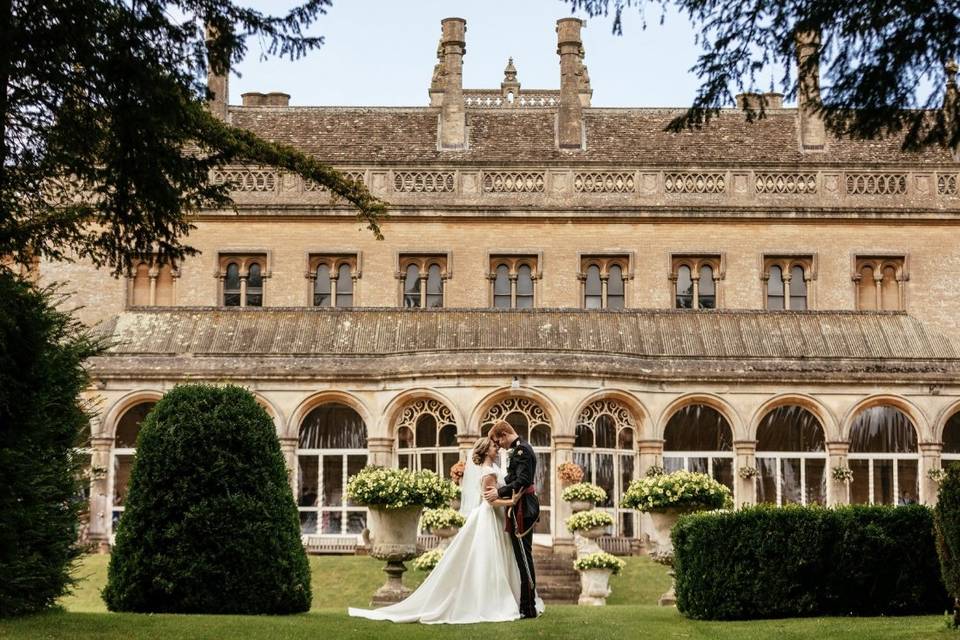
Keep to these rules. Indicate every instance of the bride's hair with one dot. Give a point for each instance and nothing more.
(480, 448)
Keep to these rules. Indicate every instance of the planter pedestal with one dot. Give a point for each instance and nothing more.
(391, 535)
(662, 548)
(577, 506)
(586, 541)
(594, 587)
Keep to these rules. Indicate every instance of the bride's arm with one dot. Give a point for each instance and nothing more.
(489, 481)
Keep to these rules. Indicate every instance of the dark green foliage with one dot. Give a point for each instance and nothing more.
(875, 55)
(105, 141)
(210, 524)
(769, 562)
(41, 420)
(946, 519)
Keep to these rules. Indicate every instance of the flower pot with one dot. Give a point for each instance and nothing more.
(592, 533)
(585, 541)
(580, 505)
(594, 587)
(445, 534)
(662, 551)
(391, 535)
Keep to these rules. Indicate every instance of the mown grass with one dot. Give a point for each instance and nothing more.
(339, 582)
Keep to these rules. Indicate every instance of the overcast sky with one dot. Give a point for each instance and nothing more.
(382, 52)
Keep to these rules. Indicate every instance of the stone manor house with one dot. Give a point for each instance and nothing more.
(747, 298)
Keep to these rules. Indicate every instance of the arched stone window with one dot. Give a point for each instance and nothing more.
(602, 279)
(501, 287)
(242, 279)
(881, 282)
(791, 457)
(684, 288)
(698, 438)
(427, 437)
(513, 280)
(884, 458)
(151, 283)
(321, 287)
(255, 285)
(333, 278)
(707, 288)
(951, 441)
(332, 447)
(592, 288)
(124, 451)
(423, 278)
(524, 287)
(788, 279)
(531, 423)
(411, 286)
(775, 288)
(231, 286)
(696, 280)
(606, 450)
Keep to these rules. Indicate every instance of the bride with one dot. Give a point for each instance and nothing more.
(477, 579)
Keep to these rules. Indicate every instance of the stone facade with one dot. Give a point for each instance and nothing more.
(487, 178)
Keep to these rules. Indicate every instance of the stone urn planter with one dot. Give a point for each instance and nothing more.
(585, 540)
(594, 587)
(580, 505)
(391, 536)
(446, 535)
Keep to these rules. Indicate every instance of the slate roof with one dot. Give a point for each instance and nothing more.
(408, 135)
(724, 334)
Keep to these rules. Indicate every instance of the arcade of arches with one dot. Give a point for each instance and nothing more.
(792, 451)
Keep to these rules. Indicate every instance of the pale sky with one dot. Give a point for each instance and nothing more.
(382, 52)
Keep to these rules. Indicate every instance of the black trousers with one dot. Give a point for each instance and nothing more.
(523, 550)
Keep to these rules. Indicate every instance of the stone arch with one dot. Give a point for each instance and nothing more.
(275, 414)
(944, 416)
(708, 399)
(827, 420)
(640, 414)
(908, 408)
(399, 402)
(323, 397)
(108, 426)
(557, 424)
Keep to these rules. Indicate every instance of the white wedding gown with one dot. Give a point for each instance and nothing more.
(476, 580)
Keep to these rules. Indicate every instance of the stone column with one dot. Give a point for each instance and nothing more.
(288, 447)
(745, 490)
(930, 459)
(562, 452)
(465, 443)
(380, 451)
(838, 491)
(99, 528)
(651, 454)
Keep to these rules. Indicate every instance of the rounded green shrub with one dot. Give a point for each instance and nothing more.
(210, 524)
(946, 520)
(42, 419)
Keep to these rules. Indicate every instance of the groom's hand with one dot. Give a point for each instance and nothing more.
(490, 494)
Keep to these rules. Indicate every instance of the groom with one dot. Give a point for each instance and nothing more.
(521, 470)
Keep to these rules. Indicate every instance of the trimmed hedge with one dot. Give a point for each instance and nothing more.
(946, 519)
(210, 524)
(776, 562)
(42, 419)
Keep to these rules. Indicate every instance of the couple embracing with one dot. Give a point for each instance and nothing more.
(487, 572)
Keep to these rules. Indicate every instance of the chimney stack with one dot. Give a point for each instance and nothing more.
(570, 118)
(812, 133)
(218, 83)
(453, 123)
(272, 99)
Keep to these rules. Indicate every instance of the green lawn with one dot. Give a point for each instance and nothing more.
(339, 582)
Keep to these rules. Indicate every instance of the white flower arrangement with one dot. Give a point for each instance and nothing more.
(937, 475)
(443, 518)
(842, 474)
(677, 490)
(428, 561)
(586, 520)
(399, 488)
(748, 473)
(600, 560)
(584, 492)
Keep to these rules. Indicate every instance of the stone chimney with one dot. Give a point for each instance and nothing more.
(453, 122)
(272, 99)
(218, 84)
(570, 117)
(812, 134)
(753, 101)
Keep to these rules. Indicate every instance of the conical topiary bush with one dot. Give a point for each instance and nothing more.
(210, 524)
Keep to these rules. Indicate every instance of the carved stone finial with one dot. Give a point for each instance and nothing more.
(510, 73)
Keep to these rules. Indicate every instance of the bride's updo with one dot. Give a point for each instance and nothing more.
(480, 448)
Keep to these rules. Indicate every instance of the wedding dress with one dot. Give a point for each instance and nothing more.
(477, 579)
